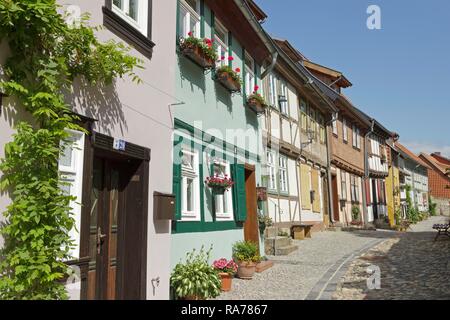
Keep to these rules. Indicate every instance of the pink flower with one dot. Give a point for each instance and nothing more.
(222, 58)
(230, 58)
(190, 33)
(256, 88)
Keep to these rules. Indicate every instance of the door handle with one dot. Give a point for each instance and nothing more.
(100, 238)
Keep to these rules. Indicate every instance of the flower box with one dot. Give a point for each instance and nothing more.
(196, 54)
(256, 105)
(219, 184)
(228, 82)
(261, 193)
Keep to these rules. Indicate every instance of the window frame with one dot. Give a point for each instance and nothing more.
(272, 170)
(219, 43)
(303, 115)
(185, 21)
(118, 24)
(283, 174)
(334, 127)
(222, 215)
(354, 188)
(273, 98)
(344, 195)
(250, 77)
(283, 106)
(344, 130)
(193, 174)
(142, 23)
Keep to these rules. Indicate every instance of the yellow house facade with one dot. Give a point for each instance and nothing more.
(393, 184)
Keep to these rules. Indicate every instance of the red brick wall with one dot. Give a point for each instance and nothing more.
(437, 184)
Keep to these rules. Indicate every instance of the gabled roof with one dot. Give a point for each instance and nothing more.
(436, 164)
(259, 14)
(411, 155)
(338, 76)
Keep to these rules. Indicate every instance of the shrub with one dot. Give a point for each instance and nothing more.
(196, 277)
(246, 251)
(355, 213)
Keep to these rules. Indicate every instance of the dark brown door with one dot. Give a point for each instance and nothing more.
(251, 225)
(105, 212)
(334, 187)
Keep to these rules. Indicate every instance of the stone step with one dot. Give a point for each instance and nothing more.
(271, 232)
(264, 265)
(272, 244)
(284, 251)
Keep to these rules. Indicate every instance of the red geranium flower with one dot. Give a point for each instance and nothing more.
(238, 70)
(190, 33)
(230, 58)
(256, 88)
(222, 58)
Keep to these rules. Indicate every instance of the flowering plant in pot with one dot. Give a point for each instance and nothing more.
(195, 279)
(227, 269)
(201, 51)
(256, 101)
(246, 255)
(219, 184)
(228, 77)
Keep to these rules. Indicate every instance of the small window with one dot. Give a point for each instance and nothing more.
(335, 128)
(221, 39)
(356, 137)
(271, 170)
(224, 203)
(135, 12)
(283, 99)
(249, 75)
(304, 115)
(312, 127)
(190, 186)
(273, 90)
(322, 130)
(343, 185)
(344, 130)
(354, 188)
(190, 18)
(283, 174)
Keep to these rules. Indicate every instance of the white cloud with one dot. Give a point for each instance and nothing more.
(418, 147)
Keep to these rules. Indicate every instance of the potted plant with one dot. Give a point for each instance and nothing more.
(264, 222)
(219, 184)
(229, 78)
(356, 216)
(195, 279)
(227, 269)
(256, 102)
(201, 51)
(246, 255)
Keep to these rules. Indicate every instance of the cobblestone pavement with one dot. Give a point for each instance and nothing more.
(412, 267)
(296, 276)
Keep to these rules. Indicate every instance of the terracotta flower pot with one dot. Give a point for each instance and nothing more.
(197, 55)
(227, 280)
(256, 106)
(246, 270)
(228, 82)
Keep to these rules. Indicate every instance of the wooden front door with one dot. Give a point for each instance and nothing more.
(334, 186)
(117, 233)
(251, 225)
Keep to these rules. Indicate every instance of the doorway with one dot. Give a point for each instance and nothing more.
(375, 199)
(334, 187)
(251, 225)
(117, 227)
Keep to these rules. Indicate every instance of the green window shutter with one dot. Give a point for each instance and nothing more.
(177, 189)
(239, 197)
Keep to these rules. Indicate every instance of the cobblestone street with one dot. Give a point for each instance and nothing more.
(333, 265)
(306, 272)
(412, 267)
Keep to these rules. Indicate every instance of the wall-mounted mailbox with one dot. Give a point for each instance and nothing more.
(163, 206)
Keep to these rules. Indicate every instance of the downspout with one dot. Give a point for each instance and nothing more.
(266, 39)
(330, 190)
(366, 168)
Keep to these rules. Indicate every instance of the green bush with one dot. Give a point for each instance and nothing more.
(355, 213)
(246, 251)
(196, 277)
(432, 206)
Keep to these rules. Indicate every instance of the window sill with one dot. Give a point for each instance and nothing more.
(127, 32)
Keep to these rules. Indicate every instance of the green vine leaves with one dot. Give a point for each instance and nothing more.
(45, 57)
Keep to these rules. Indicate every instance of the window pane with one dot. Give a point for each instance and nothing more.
(118, 3)
(134, 9)
(192, 4)
(189, 195)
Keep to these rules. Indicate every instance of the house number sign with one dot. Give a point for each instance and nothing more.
(119, 144)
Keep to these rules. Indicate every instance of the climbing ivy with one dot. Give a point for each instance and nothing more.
(45, 56)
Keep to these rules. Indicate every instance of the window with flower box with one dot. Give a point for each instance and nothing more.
(221, 42)
(249, 74)
(190, 186)
(223, 202)
(189, 18)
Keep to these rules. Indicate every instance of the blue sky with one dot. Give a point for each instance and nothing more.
(400, 74)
